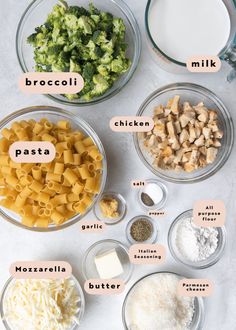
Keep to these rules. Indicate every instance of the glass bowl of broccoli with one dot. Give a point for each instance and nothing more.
(99, 39)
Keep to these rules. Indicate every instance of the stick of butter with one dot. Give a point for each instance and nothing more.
(108, 264)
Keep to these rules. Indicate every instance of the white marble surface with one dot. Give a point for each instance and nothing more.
(15, 244)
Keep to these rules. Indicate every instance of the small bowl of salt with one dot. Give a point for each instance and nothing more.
(153, 195)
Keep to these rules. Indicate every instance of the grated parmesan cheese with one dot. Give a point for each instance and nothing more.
(42, 304)
(153, 304)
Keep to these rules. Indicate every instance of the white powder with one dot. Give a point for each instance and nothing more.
(154, 304)
(195, 243)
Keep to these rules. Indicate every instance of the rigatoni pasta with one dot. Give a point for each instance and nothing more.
(45, 194)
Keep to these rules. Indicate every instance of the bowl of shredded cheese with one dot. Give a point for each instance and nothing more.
(50, 196)
(42, 304)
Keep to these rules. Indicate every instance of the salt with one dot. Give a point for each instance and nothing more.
(154, 191)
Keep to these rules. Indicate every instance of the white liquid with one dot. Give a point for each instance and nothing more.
(185, 28)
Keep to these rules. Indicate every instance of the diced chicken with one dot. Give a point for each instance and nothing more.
(158, 110)
(216, 143)
(175, 145)
(171, 130)
(152, 141)
(211, 155)
(187, 117)
(175, 105)
(188, 167)
(177, 127)
(178, 157)
(194, 157)
(206, 131)
(212, 116)
(192, 134)
(218, 135)
(186, 157)
(184, 136)
(200, 141)
(187, 107)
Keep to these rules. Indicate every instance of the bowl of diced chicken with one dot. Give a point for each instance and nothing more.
(192, 137)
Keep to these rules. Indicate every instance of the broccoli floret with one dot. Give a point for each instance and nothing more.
(99, 52)
(71, 22)
(103, 69)
(118, 26)
(32, 39)
(107, 58)
(120, 65)
(93, 10)
(101, 85)
(108, 46)
(58, 12)
(86, 24)
(72, 97)
(77, 11)
(99, 37)
(95, 18)
(54, 50)
(74, 67)
(88, 71)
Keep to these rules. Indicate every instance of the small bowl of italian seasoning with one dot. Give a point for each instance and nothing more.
(141, 229)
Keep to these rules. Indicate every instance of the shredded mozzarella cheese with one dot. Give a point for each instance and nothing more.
(42, 304)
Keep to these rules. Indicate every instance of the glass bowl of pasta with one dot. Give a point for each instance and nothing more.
(50, 196)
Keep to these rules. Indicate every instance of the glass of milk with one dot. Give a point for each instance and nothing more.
(180, 29)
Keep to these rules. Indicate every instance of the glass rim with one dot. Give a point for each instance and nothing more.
(182, 64)
(80, 123)
(200, 301)
(127, 12)
(222, 109)
(211, 260)
(11, 279)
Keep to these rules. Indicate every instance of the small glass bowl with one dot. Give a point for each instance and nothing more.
(79, 315)
(88, 264)
(161, 204)
(36, 14)
(53, 114)
(194, 94)
(154, 235)
(198, 317)
(213, 259)
(122, 208)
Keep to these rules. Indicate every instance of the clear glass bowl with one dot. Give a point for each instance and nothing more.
(213, 259)
(154, 235)
(36, 14)
(198, 318)
(194, 94)
(11, 280)
(159, 205)
(53, 114)
(89, 267)
(122, 208)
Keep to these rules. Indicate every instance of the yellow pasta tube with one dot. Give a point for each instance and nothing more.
(88, 142)
(90, 185)
(70, 176)
(80, 207)
(76, 159)
(68, 157)
(4, 160)
(37, 173)
(59, 168)
(36, 186)
(95, 154)
(64, 125)
(12, 180)
(49, 138)
(73, 198)
(59, 199)
(77, 188)
(57, 217)
(26, 180)
(38, 128)
(53, 177)
(79, 147)
(42, 222)
(20, 201)
(7, 133)
(84, 172)
(4, 145)
(29, 220)
(43, 197)
(26, 192)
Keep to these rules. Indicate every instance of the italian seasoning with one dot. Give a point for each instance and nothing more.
(141, 230)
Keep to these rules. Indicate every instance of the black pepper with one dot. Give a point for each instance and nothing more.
(141, 230)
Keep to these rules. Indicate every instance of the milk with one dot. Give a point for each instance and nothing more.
(185, 28)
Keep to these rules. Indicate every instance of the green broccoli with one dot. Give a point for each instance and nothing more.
(88, 41)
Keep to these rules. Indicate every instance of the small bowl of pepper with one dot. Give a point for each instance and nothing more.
(141, 229)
